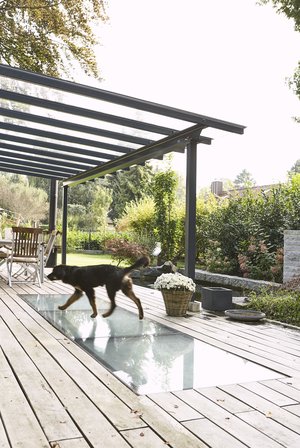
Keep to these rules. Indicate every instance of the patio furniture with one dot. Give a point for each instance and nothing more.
(3, 257)
(47, 249)
(27, 252)
(5, 248)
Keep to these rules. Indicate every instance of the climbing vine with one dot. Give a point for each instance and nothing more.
(165, 184)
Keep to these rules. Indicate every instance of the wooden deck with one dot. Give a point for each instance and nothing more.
(52, 393)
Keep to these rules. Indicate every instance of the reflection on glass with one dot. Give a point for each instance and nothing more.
(145, 355)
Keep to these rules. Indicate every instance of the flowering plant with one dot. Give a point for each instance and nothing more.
(177, 282)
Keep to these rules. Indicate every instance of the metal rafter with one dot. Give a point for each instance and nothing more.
(116, 98)
(63, 137)
(49, 155)
(48, 121)
(61, 156)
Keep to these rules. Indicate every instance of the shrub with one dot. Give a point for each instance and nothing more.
(259, 261)
(124, 250)
(283, 306)
(137, 216)
(80, 240)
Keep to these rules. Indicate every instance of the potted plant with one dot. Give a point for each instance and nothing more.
(177, 291)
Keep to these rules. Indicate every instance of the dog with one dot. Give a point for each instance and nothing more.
(86, 278)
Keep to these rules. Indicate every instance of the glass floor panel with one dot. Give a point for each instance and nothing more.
(147, 356)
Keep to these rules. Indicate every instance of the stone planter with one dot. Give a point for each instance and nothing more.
(216, 298)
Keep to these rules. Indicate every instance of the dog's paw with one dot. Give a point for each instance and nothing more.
(94, 315)
(61, 307)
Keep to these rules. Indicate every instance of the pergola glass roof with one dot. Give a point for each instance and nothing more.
(62, 130)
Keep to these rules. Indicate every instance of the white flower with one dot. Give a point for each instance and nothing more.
(175, 281)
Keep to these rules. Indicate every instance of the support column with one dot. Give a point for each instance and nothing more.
(190, 205)
(53, 204)
(64, 226)
(52, 260)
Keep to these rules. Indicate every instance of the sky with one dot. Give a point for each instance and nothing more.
(226, 59)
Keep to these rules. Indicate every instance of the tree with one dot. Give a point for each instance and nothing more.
(25, 202)
(50, 36)
(127, 186)
(244, 180)
(88, 205)
(295, 168)
(291, 8)
(165, 185)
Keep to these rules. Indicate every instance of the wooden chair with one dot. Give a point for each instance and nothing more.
(27, 252)
(48, 248)
(3, 257)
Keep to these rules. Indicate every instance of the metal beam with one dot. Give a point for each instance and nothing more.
(82, 112)
(48, 161)
(176, 142)
(25, 116)
(104, 95)
(55, 146)
(63, 137)
(31, 172)
(39, 166)
(43, 169)
(51, 155)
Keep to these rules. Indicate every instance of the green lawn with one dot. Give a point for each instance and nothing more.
(75, 259)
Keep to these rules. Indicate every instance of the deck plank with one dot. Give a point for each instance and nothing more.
(264, 406)
(226, 401)
(263, 413)
(175, 407)
(275, 391)
(145, 438)
(53, 417)
(17, 416)
(71, 443)
(228, 422)
(79, 406)
(272, 428)
(213, 435)
(3, 439)
(107, 402)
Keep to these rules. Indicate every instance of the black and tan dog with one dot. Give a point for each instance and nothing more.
(86, 278)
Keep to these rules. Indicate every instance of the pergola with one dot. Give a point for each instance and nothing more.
(61, 130)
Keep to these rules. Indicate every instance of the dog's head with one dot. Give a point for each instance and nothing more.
(58, 273)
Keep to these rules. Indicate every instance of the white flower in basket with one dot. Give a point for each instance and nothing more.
(174, 282)
(177, 291)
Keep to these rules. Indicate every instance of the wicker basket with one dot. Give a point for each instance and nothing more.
(176, 302)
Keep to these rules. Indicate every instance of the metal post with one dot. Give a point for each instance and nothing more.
(53, 204)
(64, 226)
(190, 214)
(52, 259)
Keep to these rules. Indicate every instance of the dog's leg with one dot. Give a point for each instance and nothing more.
(75, 296)
(128, 291)
(111, 292)
(92, 298)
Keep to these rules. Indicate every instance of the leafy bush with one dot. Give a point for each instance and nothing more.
(138, 216)
(80, 240)
(248, 230)
(283, 306)
(258, 261)
(124, 250)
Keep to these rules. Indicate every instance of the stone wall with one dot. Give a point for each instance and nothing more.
(291, 262)
(231, 281)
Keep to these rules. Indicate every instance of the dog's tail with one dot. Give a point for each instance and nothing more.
(141, 262)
